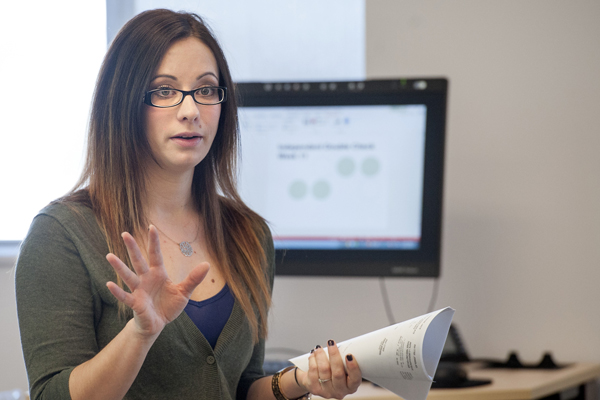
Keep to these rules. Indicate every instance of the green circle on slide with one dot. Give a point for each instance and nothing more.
(298, 189)
(370, 166)
(346, 166)
(321, 189)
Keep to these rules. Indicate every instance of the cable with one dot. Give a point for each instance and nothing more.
(386, 301)
(434, 294)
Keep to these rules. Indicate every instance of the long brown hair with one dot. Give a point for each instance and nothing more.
(113, 179)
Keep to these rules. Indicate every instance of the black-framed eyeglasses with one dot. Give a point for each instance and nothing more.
(168, 97)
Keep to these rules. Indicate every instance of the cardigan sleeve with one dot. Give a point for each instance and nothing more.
(55, 308)
(254, 370)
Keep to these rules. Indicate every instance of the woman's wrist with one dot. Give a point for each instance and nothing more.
(290, 384)
(298, 382)
(143, 338)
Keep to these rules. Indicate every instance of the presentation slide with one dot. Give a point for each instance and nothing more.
(335, 176)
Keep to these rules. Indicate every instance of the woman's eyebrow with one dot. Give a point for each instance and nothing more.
(163, 76)
(175, 79)
(207, 73)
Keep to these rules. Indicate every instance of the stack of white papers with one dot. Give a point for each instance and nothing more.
(402, 357)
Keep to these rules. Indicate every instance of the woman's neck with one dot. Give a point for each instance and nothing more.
(169, 197)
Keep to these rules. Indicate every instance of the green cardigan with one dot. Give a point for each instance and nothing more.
(67, 315)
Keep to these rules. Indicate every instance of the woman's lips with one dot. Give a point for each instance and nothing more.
(187, 139)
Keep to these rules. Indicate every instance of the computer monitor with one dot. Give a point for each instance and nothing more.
(349, 175)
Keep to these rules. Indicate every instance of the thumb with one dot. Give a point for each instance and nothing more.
(194, 278)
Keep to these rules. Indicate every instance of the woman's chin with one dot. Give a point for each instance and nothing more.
(178, 167)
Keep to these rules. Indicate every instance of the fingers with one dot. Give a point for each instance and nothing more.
(135, 254)
(313, 374)
(338, 374)
(130, 279)
(354, 378)
(141, 267)
(324, 384)
(327, 376)
(154, 253)
(194, 278)
(120, 294)
(323, 367)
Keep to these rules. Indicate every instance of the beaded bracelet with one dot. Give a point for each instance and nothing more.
(276, 387)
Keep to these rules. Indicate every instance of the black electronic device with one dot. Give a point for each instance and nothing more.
(449, 375)
(513, 362)
(454, 349)
(348, 174)
(451, 372)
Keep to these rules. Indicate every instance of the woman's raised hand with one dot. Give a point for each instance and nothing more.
(327, 377)
(154, 298)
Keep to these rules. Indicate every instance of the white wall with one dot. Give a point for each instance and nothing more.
(52, 58)
(12, 368)
(522, 227)
(53, 46)
(521, 259)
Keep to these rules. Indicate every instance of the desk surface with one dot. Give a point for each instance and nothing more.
(506, 384)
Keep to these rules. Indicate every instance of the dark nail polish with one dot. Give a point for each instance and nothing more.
(318, 347)
(349, 357)
(312, 351)
(330, 343)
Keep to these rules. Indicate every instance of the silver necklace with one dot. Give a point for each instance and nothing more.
(185, 247)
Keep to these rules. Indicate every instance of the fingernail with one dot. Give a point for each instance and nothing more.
(318, 347)
(330, 343)
(312, 351)
(349, 357)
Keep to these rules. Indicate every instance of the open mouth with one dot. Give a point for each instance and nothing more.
(187, 137)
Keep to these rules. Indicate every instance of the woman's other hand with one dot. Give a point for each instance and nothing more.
(327, 377)
(154, 298)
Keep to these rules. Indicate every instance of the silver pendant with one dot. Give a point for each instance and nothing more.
(186, 249)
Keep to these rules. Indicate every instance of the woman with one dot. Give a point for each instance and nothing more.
(161, 161)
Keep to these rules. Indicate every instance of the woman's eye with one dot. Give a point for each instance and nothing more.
(165, 93)
(206, 91)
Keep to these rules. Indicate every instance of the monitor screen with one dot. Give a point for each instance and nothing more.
(348, 174)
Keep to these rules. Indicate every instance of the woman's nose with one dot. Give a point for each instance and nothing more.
(188, 109)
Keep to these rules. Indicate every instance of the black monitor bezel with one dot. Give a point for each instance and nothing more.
(424, 262)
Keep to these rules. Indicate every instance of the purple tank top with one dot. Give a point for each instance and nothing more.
(211, 315)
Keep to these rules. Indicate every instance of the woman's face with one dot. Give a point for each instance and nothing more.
(181, 136)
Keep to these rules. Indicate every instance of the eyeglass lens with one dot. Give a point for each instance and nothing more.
(170, 97)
